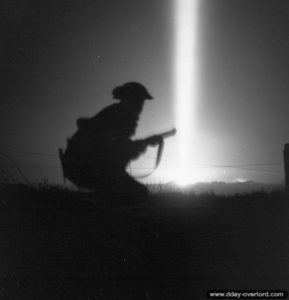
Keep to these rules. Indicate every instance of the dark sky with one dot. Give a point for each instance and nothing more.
(61, 59)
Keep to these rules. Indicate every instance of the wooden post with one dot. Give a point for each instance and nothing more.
(286, 166)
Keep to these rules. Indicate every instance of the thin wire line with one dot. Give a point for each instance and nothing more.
(237, 166)
(15, 166)
(153, 158)
(150, 168)
(29, 152)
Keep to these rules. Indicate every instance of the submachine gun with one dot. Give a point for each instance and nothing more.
(160, 137)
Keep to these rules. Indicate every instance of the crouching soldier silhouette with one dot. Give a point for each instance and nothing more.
(97, 155)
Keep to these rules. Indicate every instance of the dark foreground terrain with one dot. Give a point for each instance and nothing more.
(59, 244)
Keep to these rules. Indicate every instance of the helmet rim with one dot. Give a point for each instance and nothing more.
(131, 90)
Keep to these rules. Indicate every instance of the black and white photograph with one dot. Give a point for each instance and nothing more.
(144, 149)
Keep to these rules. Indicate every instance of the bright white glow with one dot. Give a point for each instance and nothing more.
(240, 180)
(183, 181)
(199, 174)
(186, 86)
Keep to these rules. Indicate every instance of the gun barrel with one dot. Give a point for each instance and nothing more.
(169, 133)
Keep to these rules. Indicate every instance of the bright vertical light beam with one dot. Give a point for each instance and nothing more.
(185, 83)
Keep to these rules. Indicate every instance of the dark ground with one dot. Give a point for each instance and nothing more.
(59, 244)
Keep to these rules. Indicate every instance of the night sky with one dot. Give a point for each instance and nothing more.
(60, 61)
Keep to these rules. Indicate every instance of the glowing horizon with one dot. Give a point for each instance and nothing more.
(185, 93)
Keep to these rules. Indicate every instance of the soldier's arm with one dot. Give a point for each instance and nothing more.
(157, 138)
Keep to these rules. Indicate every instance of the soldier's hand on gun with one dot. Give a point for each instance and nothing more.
(153, 140)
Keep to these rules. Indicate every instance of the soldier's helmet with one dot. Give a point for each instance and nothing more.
(131, 90)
